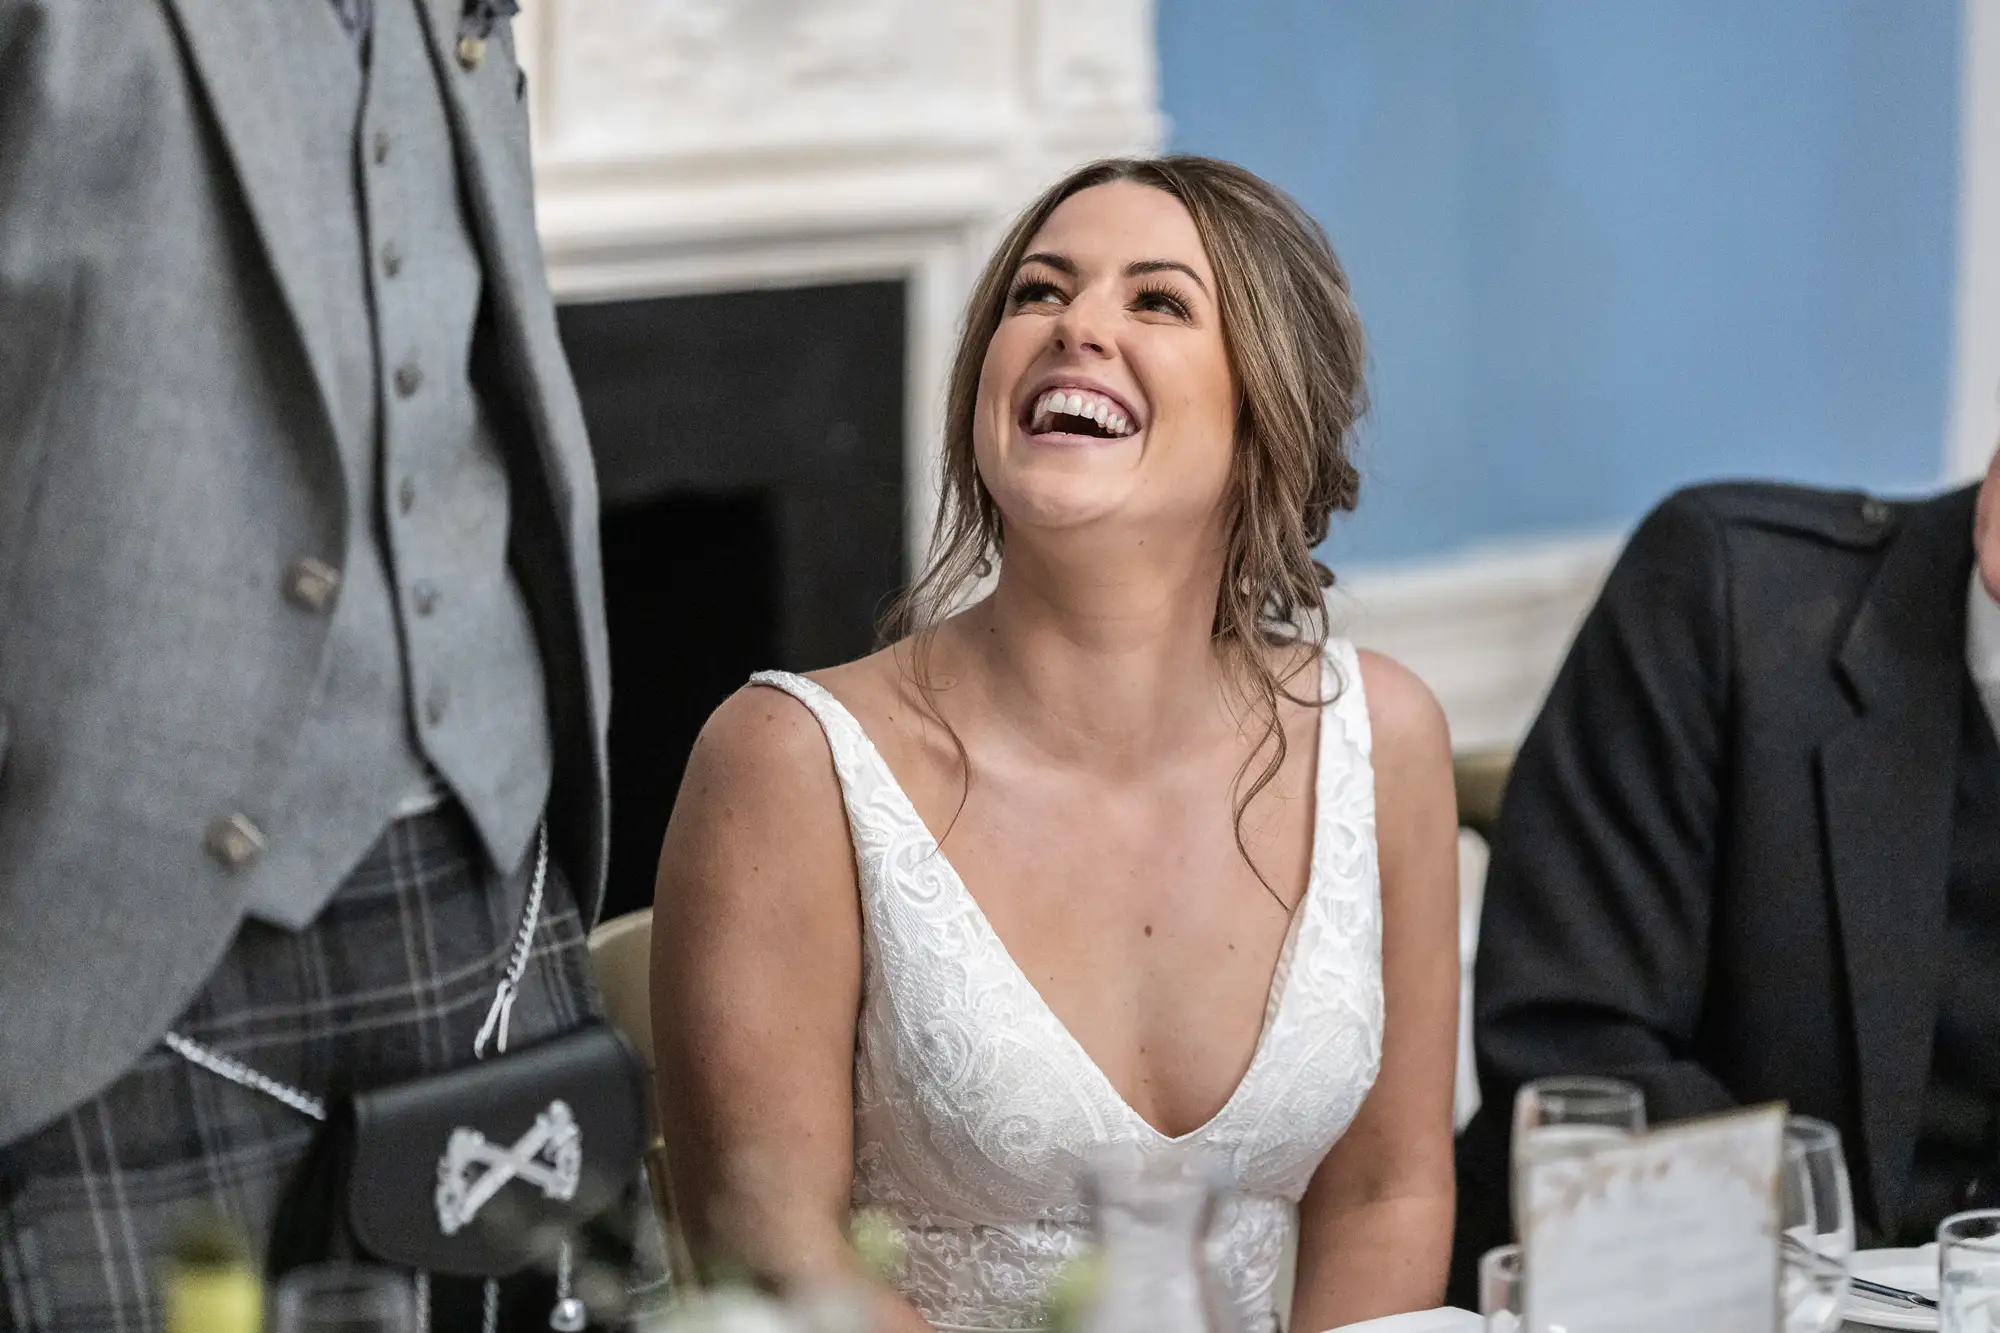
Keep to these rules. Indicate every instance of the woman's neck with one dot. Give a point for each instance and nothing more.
(1099, 656)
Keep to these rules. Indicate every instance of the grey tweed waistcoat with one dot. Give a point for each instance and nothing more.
(431, 657)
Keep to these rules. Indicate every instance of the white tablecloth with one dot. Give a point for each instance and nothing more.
(1459, 1321)
(1445, 1320)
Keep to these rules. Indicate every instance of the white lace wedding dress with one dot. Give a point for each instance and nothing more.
(974, 1107)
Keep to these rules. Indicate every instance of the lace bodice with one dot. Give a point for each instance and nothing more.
(974, 1107)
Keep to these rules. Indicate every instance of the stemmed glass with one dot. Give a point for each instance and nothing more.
(1817, 1226)
(345, 1298)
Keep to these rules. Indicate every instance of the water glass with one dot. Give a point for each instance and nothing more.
(1568, 1116)
(344, 1298)
(1969, 1272)
(1817, 1226)
(1500, 1289)
(1151, 1218)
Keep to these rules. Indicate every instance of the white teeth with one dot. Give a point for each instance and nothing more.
(1090, 406)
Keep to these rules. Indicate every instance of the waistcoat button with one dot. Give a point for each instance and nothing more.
(312, 583)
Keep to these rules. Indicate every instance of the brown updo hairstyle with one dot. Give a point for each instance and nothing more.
(1296, 352)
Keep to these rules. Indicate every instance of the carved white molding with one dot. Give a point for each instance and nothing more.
(730, 80)
(1975, 394)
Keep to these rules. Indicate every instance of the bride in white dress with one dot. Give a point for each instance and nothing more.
(1128, 852)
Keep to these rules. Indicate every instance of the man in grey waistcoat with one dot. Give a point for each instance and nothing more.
(301, 638)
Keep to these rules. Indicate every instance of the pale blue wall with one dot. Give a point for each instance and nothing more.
(1606, 248)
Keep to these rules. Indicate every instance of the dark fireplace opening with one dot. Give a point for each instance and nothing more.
(749, 449)
(661, 693)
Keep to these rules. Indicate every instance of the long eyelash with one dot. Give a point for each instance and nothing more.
(1166, 293)
(1028, 287)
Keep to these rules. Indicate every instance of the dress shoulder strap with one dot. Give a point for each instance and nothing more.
(832, 714)
(1347, 701)
(867, 786)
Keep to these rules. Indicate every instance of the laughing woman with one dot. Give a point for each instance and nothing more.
(1131, 851)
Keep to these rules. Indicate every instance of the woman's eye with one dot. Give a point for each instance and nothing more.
(1161, 302)
(1036, 293)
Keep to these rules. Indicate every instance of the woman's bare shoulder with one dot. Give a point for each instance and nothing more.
(765, 741)
(760, 790)
(759, 736)
(1406, 722)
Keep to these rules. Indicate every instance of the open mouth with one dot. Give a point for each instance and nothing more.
(1079, 412)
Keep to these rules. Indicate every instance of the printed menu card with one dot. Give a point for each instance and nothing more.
(1675, 1231)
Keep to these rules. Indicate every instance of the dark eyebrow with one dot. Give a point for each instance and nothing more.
(1140, 267)
(1060, 263)
(1137, 268)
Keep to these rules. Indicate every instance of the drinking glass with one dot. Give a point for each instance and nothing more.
(1500, 1289)
(1568, 1116)
(1151, 1215)
(1969, 1272)
(344, 1298)
(1817, 1226)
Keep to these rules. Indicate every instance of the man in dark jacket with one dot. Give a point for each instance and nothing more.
(1751, 849)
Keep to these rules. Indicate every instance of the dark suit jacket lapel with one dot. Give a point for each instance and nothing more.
(1886, 783)
(234, 48)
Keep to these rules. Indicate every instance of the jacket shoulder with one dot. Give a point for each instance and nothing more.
(1854, 520)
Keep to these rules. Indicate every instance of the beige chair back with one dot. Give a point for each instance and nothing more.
(1480, 777)
(621, 960)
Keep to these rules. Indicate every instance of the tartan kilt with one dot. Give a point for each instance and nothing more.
(391, 981)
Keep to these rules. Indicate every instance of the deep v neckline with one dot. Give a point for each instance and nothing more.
(1276, 991)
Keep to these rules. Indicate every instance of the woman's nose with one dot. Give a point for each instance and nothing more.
(1083, 328)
